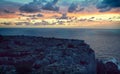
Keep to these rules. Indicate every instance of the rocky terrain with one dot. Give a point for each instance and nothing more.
(39, 55)
(108, 66)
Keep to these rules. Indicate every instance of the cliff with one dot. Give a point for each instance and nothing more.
(38, 55)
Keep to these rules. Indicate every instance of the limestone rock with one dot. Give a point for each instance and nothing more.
(47, 55)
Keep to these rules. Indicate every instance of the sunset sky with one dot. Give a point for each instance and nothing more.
(60, 13)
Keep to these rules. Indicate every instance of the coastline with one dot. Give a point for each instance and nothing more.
(35, 53)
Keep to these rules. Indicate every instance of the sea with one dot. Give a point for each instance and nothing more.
(105, 42)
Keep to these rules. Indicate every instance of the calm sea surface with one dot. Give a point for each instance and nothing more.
(105, 42)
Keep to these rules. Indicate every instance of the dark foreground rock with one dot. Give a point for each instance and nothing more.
(38, 55)
(108, 67)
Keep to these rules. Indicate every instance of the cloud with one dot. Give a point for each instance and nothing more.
(51, 6)
(74, 7)
(107, 5)
(54, 2)
(9, 7)
(30, 8)
(8, 11)
(64, 16)
(34, 6)
(38, 5)
(82, 5)
(86, 5)
(39, 15)
(105, 9)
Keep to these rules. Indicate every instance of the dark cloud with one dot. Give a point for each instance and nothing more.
(74, 7)
(39, 15)
(112, 3)
(34, 6)
(54, 2)
(105, 9)
(107, 5)
(64, 16)
(8, 11)
(38, 5)
(32, 16)
(101, 6)
(51, 6)
(82, 19)
(6, 23)
(30, 8)
(81, 5)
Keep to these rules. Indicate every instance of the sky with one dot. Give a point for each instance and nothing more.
(20, 1)
(60, 13)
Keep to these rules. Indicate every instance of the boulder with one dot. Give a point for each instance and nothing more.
(107, 67)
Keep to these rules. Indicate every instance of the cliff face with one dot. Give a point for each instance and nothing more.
(32, 55)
